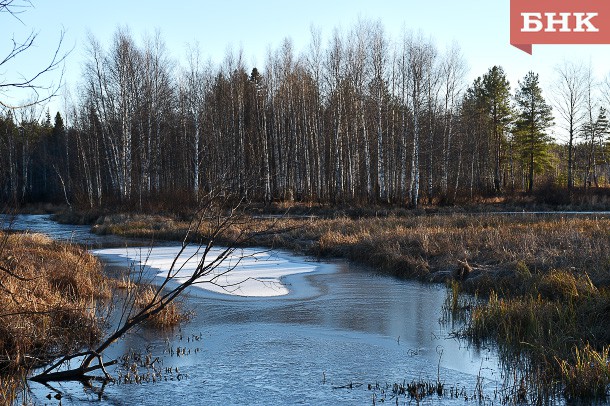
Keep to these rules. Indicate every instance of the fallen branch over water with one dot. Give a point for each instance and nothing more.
(68, 375)
(216, 220)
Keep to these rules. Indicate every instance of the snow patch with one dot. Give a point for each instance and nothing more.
(248, 272)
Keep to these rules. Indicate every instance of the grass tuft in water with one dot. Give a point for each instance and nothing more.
(552, 331)
(587, 375)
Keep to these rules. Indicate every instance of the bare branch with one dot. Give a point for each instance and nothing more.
(8, 6)
(32, 82)
(212, 213)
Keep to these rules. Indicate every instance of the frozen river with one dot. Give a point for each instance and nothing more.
(321, 335)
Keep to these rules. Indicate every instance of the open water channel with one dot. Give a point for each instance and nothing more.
(339, 329)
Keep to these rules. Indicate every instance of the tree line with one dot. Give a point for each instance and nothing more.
(360, 118)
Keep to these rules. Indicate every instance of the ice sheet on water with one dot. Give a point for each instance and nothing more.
(247, 272)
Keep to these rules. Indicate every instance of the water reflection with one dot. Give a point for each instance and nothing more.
(78, 234)
(356, 327)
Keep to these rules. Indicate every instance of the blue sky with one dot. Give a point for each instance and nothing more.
(480, 27)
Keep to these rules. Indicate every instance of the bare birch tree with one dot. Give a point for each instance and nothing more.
(453, 70)
(195, 84)
(590, 130)
(379, 50)
(569, 97)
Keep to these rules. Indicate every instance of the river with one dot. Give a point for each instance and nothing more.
(348, 328)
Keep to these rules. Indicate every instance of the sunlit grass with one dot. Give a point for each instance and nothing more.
(50, 298)
(49, 294)
(426, 247)
(587, 374)
(542, 283)
(559, 323)
(171, 315)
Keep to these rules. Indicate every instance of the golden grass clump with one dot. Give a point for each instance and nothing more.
(141, 226)
(588, 375)
(559, 321)
(171, 315)
(564, 285)
(49, 299)
(10, 387)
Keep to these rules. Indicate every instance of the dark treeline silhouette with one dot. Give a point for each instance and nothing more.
(360, 119)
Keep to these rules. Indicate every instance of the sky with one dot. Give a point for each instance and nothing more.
(479, 27)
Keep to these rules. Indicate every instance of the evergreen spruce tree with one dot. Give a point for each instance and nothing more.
(534, 117)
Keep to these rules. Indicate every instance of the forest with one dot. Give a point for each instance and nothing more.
(361, 118)
(358, 120)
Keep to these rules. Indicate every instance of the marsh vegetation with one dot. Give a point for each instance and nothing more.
(538, 285)
(363, 119)
(53, 302)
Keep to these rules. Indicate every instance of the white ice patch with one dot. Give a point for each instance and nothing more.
(246, 272)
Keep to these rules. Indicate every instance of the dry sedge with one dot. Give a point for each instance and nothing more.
(546, 278)
(49, 295)
(588, 375)
(559, 323)
(170, 316)
(426, 247)
(10, 386)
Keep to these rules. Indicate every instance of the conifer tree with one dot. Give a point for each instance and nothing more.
(496, 93)
(534, 117)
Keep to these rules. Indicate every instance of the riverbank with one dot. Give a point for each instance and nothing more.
(51, 296)
(56, 299)
(534, 278)
(346, 301)
(485, 251)
(544, 280)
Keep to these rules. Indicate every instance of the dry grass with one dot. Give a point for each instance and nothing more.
(588, 375)
(556, 324)
(497, 248)
(171, 315)
(10, 387)
(49, 305)
(142, 226)
(547, 278)
(559, 323)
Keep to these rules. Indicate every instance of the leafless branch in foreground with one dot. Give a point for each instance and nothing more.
(213, 218)
(41, 89)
